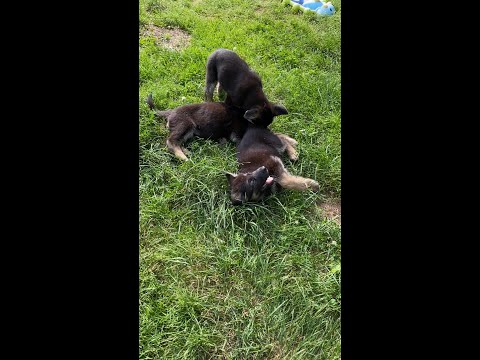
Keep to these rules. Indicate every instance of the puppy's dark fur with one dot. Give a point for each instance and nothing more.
(210, 120)
(261, 170)
(243, 87)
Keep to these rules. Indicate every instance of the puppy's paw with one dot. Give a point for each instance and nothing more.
(313, 185)
(293, 155)
(186, 151)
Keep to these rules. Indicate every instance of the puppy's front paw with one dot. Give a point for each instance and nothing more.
(293, 155)
(314, 185)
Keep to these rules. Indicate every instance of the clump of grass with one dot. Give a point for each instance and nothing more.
(256, 281)
(154, 6)
(311, 15)
(296, 9)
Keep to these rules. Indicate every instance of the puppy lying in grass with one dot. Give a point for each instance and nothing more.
(262, 171)
(209, 120)
(243, 87)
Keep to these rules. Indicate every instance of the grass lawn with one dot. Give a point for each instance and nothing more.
(249, 282)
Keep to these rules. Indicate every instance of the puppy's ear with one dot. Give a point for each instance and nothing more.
(278, 109)
(230, 177)
(252, 115)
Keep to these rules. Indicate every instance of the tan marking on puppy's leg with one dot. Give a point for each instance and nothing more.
(297, 182)
(292, 141)
(291, 151)
(176, 150)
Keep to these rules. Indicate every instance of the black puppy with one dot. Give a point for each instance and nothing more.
(211, 120)
(243, 87)
(261, 169)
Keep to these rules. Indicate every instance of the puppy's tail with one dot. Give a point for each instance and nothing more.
(151, 105)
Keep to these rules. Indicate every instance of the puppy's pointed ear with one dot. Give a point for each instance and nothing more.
(278, 109)
(230, 177)
(252, 115)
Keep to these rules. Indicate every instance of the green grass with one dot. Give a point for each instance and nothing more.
(250, 282)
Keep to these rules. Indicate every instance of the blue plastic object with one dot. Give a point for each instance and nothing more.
(313, 5)
(327, 9)
(321, 8)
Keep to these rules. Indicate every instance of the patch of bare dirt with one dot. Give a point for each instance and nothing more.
(259, 10)
(170, 38)
(332, 210)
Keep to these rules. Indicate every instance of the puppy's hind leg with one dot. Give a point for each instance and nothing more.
(211, 79)
(176, 149)
(181, 130)
(222, 95)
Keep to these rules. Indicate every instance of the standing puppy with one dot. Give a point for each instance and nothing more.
(243, 87)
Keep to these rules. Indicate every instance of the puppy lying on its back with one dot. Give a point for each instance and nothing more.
(261, 169)
(243, 87)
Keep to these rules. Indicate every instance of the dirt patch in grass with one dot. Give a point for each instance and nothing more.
(170, 38)
(332, 210)
(259, 10)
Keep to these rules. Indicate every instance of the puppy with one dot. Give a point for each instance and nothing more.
(261, 169)
(212, 120)
(243, 87)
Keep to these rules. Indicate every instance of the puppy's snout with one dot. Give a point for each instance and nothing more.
(262, 170)
(236, 202)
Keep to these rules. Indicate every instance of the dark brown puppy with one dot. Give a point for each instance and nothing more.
(261, 169)
(211, 120)
(243, 87)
